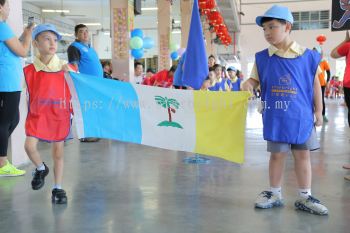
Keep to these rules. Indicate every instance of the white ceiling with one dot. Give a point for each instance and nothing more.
(89, 11)
(98, 11)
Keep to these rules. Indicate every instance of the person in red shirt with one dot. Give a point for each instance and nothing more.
(164, 78)
(147, 80)
(343, 50)
(335, 85)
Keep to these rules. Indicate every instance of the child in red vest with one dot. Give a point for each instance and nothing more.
(49, 112)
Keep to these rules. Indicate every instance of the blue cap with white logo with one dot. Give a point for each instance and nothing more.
(43, 28)
(276, 12)
(231, 68)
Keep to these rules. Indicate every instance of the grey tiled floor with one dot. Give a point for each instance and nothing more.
(120, 187)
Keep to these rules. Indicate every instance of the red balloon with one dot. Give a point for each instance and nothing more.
(222, 29)
(207, 4)
(321, 39)
(211, 4)
(205, 11)
(202, 5)
(213, 16)
(219, 20)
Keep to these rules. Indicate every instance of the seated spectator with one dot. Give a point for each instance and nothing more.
(211, 61)
(147, 80)
(234, 82)
(220, 83)
(150, 72)
(107, 69)
(335, 87)
(138, 73)
(206, 84)
(164, 78)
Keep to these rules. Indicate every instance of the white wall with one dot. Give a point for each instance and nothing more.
(252, 37)
(102, 43)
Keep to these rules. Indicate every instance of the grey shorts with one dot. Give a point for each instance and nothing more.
(311, 144)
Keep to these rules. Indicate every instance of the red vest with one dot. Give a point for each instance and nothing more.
(49, 108)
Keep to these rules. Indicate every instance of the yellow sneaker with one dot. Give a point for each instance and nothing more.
(10, 170)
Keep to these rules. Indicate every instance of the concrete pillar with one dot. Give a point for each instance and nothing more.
(17, 155)
(122, 22)
(210, 46)
(164, 30)
(186, 11)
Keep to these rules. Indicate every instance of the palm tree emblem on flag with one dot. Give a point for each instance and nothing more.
(170, 105)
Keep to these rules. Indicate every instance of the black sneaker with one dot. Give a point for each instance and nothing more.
(39, 178)
(59, 196)
(89, 139)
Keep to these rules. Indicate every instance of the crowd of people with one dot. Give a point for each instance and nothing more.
(220, 78)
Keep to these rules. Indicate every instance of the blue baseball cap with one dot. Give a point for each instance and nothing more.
(43, 28)
(276, 12)
(231, 68)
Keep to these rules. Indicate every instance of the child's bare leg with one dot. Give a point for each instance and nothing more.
(276, 168)
(273, 197)
(303, 171)
(303, 168)
(57, 155)
(30, 147)
(41, 170)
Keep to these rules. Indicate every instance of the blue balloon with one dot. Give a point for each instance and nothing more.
(137, 53)
(174, 55)
(148, 43)
(137, 32)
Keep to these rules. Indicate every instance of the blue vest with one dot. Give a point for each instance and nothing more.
(89, 62)
(235, 86)
(218, 86)
(287, 94)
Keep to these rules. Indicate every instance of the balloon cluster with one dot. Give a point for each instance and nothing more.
(138, 43)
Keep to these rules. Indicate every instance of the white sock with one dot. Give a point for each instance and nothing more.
(57, 186)
(304, 193)
(41, 167)
(276, 191)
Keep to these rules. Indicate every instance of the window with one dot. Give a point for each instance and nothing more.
(311, 20)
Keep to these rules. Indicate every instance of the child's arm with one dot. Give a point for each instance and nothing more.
(249, 85)
(318, 102)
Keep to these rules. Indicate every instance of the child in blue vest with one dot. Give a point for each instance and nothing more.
(220, 83)
(291, 95)
(49, 112)
(233, 81)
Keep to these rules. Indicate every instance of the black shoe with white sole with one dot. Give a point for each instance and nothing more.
(59, 196)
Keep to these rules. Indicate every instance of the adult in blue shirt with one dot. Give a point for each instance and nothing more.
(85, 58)
(82, 55)
(11, 49)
